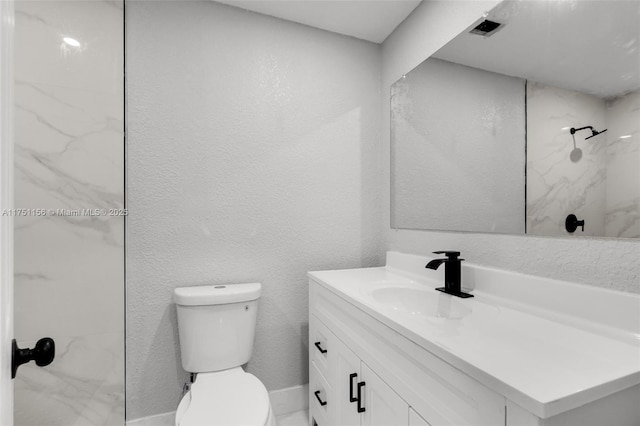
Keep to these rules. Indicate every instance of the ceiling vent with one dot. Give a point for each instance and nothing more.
(487, 28)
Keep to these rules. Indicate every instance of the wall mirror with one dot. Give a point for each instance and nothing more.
(526, 122)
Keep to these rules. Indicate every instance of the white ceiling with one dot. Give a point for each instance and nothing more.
(589, 46)
(371, 20)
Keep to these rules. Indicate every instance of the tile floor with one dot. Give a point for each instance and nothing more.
(298, 418)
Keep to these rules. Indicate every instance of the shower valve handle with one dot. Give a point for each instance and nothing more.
(571, 223)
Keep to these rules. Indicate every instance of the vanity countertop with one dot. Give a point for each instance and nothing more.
(547, 361)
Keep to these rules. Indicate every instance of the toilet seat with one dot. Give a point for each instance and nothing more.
(231, 397)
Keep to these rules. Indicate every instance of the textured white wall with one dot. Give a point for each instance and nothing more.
(253, 155)
(600, 262)
(459, 127)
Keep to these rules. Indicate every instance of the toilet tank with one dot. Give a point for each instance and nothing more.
(216, 325)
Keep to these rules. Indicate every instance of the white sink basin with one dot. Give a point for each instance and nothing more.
(420, 302)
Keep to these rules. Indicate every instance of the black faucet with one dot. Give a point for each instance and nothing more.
(452, 273)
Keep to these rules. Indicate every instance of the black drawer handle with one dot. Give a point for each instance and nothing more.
(317, 394)
(351, 377)
(361, 409)
(322, 351)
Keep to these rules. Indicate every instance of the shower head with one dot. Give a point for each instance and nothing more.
(595, 133)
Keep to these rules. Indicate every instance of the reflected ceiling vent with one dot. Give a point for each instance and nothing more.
(487, 28)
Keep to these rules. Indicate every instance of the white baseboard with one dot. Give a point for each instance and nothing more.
(283, 401)
(166, 419)
(289, 400)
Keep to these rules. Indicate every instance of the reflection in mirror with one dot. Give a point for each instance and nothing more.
(592, 173)
(570, 70)
(458, 149)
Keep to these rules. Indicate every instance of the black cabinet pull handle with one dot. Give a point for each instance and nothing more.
(317, 394)
(322, 351)
(351, 377)
(361, 409)
(43, 354)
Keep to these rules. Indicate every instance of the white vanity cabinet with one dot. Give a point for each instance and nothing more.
(344, 390)
(357, 362)
(510, 356)
(383, 405)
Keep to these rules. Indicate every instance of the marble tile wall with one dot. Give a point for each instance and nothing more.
(597, 179)
(69, 156)
(623, 167)
(563, 178)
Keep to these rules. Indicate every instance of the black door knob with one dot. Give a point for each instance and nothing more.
(43, 354)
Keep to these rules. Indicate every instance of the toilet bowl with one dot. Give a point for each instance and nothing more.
(216, 327)
(226, 398)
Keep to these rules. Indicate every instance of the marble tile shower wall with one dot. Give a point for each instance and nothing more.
(69, 156)
(601, 185)
(623, 171)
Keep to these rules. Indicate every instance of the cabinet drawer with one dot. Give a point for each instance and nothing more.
(321, 398)
(321, 347)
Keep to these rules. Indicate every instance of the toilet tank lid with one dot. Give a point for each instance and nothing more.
(216, 294)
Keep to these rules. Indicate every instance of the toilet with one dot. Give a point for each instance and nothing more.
(216, 327)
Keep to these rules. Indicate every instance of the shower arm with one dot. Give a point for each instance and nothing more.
(594, 132)
(574, 130)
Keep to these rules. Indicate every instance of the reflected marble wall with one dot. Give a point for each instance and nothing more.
(623, 167)
(559, 184)
(69, 154)
(597, 179)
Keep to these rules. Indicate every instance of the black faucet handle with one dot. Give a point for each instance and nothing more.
(452, 255)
